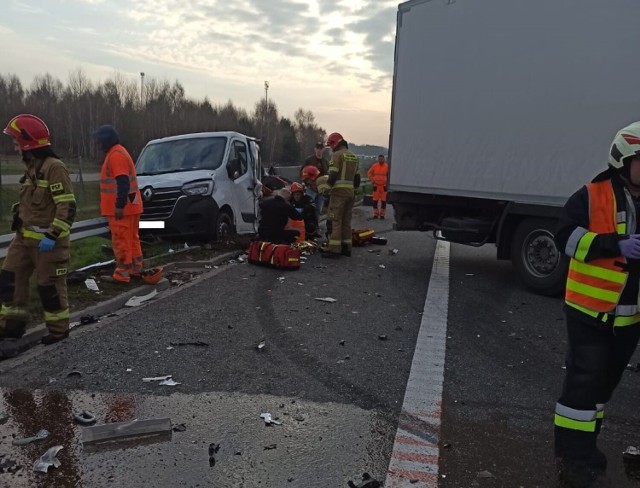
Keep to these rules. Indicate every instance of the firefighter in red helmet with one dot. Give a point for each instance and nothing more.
(344, 178)
(42, 222)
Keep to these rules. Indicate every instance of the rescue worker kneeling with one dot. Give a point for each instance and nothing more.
(275, 213)
(305, 207)
(42, 221)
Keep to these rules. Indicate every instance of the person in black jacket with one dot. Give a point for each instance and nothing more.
(304, 205)
(275, 213)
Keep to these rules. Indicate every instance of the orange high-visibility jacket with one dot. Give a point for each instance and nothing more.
(117, 162)
(596, 287)
(378, 174)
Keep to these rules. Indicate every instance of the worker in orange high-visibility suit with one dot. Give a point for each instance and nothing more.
(378, 174)
(121, 202)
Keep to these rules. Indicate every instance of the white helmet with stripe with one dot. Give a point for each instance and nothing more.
(625, 144)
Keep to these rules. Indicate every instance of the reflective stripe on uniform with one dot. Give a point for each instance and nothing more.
(40, 235)
(9, 311)
(574, 239)
(570, 418)
(67, 197)
(57, 316)
(61, 224)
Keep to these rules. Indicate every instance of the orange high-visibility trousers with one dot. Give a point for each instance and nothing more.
(126, 247)
(379, 201)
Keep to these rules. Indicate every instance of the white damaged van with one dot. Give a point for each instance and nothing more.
(201, 185)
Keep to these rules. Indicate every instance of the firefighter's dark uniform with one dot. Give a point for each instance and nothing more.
(274, 215)
(601, 310)
(47, 207)
(344, 178)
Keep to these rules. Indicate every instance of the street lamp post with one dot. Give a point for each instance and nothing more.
(266, 93)
(141, 89)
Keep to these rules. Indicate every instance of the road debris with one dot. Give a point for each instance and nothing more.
(327, 299)
(270, 447)
(4, 417)
(268, 420)
(95, 265)
(91, 284)
(485, 474)
(123, 430)
(169, 382)
(194, 343)
(633, 367)
(382, 337)
(74, 374)
(382, 266)
(84, 417)
(393, 252)
(214, 447)
(367, 482)
(156, 378)
(136, 301)
(261, 346)
(179, 428)
(48, 459)
(42, 434)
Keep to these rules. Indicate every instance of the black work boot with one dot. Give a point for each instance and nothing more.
(575, 473)
(52, 339)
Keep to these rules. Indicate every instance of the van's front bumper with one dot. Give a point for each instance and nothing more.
(193, 216)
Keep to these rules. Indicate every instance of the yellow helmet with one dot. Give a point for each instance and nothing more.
(626, 143)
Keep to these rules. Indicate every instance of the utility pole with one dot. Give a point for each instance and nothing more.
(141, 89)
(266, 94)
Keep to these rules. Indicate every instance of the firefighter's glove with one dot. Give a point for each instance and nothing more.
(630, 247)
(46, 244)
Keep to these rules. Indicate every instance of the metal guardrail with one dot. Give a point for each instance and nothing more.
(79, 230)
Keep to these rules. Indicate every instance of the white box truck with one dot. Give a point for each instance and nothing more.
(501, 110)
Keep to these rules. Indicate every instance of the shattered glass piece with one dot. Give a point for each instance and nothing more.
(48, 459)
(156, 378)
(327, 299)
(169, 382)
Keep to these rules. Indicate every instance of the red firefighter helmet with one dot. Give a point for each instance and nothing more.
(310, 173)
(29, 131)
(334, 139)
(152, 276)
(296, 187)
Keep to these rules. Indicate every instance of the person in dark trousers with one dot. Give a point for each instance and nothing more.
(275, 213)
(305, 207)
(599, 231)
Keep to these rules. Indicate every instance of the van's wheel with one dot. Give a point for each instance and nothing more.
(541, 266)
(224, 226)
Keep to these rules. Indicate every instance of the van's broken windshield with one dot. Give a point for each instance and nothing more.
(181, 155)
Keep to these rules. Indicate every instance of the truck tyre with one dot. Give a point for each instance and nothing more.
(537, 260)
(224, 226)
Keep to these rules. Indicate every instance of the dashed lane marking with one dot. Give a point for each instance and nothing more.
(414, 460)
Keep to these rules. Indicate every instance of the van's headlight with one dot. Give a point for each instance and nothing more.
(202, 188)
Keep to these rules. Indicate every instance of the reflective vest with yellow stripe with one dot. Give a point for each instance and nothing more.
(595, 288)
(118, 157)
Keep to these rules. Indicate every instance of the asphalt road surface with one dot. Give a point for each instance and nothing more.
(325, 373)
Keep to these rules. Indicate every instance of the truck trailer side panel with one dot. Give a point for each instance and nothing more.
(513, 100)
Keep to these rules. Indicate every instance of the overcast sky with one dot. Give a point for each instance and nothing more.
(333, 57)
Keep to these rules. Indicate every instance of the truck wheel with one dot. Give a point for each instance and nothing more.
(541, 266)
(224, 226)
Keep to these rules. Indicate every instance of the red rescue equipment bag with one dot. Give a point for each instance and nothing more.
(280, 256)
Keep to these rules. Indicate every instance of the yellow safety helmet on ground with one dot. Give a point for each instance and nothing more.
(626, 143)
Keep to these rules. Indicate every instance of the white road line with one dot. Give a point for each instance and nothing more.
(414, 460)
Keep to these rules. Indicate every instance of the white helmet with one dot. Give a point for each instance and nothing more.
(626, 143)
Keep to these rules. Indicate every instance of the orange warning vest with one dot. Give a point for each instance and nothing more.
(378, 173)
(117, 162)
(299, 226)
(595, 287)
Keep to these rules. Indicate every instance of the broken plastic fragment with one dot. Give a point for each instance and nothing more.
(169, 382)
(382, 266)
(156, 378)
(91, 284)
(393, 252)
(42, 434)
(261, 346)
(268, 420)
(137, 301)
(327, 299)
(48, 459)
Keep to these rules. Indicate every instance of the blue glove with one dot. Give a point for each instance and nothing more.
(46, 244)
(630, 247)
(299, 210)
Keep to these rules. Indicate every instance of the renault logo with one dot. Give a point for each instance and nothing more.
(147, 194)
